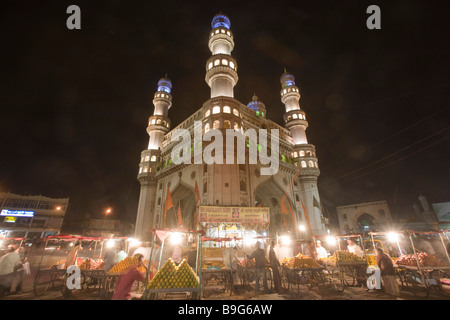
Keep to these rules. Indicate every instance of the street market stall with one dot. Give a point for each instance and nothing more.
(52, 269)
(174, 277)
(303, 270)
(226, 228)
(390, 242)
(220, 263)
(346, 267)
(427, 265)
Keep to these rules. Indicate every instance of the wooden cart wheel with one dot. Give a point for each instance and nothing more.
(320, 282)
(56, 279)
(336, 279)
(42, 282)
(414, 280)
(437, 275)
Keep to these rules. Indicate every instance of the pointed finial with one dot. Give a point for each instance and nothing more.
(284, 69)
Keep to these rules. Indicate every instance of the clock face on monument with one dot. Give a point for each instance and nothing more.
(274, 120)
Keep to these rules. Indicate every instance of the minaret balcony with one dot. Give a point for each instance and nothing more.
(290, 90)
(221, 60)
(296, 122)
(162, 96)
(221, 71)
(221, 35)
(158, 122)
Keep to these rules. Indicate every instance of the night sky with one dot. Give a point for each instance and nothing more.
(75, 103)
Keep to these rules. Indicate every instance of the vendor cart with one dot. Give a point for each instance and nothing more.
(311, 278)
(341, 272)
(174, 237)
(421, 272)
(54, 274)
(219, 264)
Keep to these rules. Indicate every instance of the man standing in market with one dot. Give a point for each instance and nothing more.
(260, 267)
(321, 252)
(354, 248)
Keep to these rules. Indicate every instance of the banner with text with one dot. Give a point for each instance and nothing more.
(244, 215)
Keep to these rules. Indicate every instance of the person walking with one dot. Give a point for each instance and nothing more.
(260, 267)
(275, 265)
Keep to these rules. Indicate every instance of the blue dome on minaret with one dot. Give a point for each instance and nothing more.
(164, 84)
(220, 20)
(287, 79)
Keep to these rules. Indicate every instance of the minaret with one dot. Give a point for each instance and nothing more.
(257, 106)
(158, 126)
(304, 154)
(221, 67)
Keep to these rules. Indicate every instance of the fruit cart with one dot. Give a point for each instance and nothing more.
(219, 268)
(172, 281)
(303, 270)
(420, 271)
(54, 276)
(390, 242)
(343, 268)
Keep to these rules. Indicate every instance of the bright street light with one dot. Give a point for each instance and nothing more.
(331, 240)
(285, 240)
(392, 236)
(175, 238)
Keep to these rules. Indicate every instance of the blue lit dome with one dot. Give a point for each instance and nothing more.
(287, 79)
(257, 106)
(164, 84)
(220, 20)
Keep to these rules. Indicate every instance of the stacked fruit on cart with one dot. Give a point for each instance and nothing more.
(425, 260)
(247, 263)
(303, 261)
(126, 264)
(172, 276)
(300, 261)
(90, 264)
(346, 256)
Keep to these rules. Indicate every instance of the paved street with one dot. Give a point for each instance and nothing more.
(241, 293)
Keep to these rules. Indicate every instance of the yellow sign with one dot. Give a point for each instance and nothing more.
(10, 219)
(234, 214)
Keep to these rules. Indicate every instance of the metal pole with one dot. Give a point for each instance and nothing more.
(150, 260)
(417, 261)
(101, 248)
(201, 263)
(43, 251)
(160, 254)
(443, 244)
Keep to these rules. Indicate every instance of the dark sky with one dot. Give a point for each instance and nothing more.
(75, 103)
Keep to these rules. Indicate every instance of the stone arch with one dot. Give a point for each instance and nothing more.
(269, 194)
(184, 196)
(365, 220)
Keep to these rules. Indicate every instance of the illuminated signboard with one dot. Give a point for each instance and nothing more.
(10, 219)
(17, 213)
